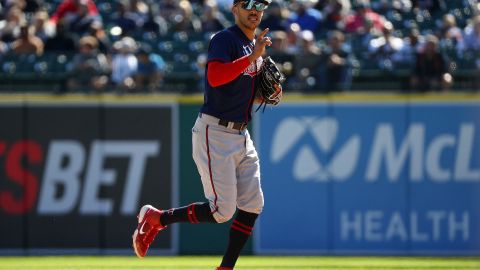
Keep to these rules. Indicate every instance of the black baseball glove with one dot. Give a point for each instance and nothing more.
(268, 86)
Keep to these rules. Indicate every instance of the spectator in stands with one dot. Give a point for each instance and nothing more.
(180, 15)
(387, 7)
(431, 71)
(88, 68)
(335, 12)
(9, 4)
(469, 48)
(40, 25)
(123, 19)
(32, 6)
(471, 38)
(433, 6)
(361, 41)
(212, 19)
(68, 10)
(279, 42)
(448, 32)
(10, 26)
(279, 48)
(155, 23)
(293, 37)
(82, 21)
(61, 40)
(124, 64)
(96, 30)
(356, 23)
(27, 6)
(473, 6)
(274, 18)
(307, 62)
(321, 4)
(337, 64)
(150, 70)
(3, 48)
(280, 53)
(27, 42)
(168, 8)
(305, 16)
(383, 49)
(138, 11)
(412, 44)
(185, 20)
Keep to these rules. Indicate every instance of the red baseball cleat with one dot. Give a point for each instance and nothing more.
(147, 228)
(224, 268)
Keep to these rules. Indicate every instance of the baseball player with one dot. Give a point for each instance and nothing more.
(222, 148)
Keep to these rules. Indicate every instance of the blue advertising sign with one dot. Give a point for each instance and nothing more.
(371, 178)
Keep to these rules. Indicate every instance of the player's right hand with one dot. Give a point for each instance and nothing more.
(260, 44)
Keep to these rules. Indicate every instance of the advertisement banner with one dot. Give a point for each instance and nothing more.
(12, 141)
(74, 176)
(370, 178)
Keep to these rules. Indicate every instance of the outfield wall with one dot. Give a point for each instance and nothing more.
(74, 175)
(372, 177)
(341, 175)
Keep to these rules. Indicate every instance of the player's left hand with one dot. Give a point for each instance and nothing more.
(279, 91)
(269, 83)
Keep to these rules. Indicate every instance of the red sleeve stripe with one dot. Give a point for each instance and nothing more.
(238, 223)
(189, 213)
(234, 227)
(194, 215)
(219, 73)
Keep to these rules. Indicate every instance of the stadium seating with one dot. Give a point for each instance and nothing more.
(181, 49)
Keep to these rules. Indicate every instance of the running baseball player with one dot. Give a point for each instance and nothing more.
(223, 151)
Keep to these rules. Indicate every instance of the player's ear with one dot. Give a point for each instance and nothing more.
(234, 9)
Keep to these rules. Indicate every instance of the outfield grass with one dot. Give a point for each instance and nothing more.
(245, 262)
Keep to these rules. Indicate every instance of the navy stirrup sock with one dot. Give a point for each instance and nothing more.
(193, 213)
(240, 231)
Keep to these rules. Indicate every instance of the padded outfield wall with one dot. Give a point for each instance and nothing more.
(356, 174)
(379, 176)
(73, 173)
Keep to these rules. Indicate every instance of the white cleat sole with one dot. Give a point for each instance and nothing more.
(133, 243)
(140, 217)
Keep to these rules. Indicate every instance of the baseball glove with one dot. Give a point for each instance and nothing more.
(268, 83)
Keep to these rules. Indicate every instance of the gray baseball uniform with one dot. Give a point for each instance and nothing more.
(229, 167)
(223, 151)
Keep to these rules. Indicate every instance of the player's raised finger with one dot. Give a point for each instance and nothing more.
(264, 32)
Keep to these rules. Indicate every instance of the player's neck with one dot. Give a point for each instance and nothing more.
(249, 33)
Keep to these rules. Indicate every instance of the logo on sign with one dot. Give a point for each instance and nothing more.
(289, 136)
(386, 157)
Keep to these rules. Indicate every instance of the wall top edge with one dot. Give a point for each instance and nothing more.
(354, 97)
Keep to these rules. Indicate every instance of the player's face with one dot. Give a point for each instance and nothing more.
(250, 13)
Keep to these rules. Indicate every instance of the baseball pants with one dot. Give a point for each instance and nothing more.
(229, 167)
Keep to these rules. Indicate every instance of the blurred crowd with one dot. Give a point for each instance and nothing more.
(321, 45)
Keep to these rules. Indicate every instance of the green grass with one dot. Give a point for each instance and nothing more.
(245, 262)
